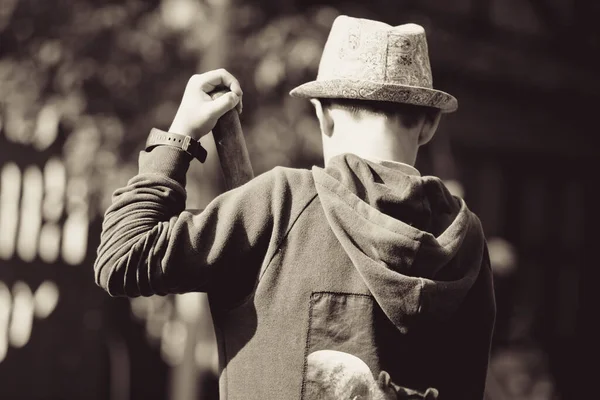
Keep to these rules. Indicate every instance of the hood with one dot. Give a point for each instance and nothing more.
(417, 248)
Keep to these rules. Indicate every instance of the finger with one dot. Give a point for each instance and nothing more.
(216, 108)
(210, 80)
(218, 93)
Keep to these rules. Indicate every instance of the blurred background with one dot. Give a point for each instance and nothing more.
(83, 82)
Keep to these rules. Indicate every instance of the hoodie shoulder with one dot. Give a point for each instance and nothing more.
(298, 182)
(297, 178)
(280, 180)
(295, 187)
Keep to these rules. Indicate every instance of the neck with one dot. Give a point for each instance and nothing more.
(376, 138)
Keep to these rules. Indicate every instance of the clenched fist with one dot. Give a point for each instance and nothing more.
(198, 112)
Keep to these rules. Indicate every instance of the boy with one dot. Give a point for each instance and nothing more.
(365, 259)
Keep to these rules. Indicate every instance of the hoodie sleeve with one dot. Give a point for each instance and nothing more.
(151, 245)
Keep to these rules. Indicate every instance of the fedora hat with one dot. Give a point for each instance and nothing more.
(371, 60)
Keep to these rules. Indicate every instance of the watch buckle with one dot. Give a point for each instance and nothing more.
(186, 143)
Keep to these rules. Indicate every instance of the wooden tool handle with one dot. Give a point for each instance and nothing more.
(231, 147)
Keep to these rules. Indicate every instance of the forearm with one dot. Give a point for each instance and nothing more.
(139, 225)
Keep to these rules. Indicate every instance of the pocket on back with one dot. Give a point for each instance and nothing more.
(342, 360)
(340, 356)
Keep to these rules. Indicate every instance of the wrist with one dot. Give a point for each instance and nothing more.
(183, 142)
(182, 129)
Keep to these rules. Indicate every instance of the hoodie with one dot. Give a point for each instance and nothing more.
(362, 280)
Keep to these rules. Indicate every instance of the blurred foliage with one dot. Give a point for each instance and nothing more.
(280, 55)
(100, 74)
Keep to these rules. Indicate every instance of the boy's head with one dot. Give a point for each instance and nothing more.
(377, 74)
(375, 129)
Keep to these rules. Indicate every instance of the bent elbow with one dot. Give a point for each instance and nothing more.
(130, 271)
(106, 278)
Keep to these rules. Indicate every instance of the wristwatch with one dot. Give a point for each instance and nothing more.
(193, 147)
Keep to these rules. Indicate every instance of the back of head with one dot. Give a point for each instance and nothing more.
(408, 114)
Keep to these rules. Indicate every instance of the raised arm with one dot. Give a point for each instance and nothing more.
(151, 245)
(147, 213)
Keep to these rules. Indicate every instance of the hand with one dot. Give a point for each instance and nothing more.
(198, 112)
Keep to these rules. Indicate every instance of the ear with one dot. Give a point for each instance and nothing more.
(324, 117)
(428, 128)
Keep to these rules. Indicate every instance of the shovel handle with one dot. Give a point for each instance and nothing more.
(231, 147)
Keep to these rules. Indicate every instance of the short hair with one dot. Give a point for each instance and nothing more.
(409, 114)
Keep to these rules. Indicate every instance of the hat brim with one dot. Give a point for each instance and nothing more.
(368, 90)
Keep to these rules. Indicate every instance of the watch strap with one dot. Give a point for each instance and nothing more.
(193, 147)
